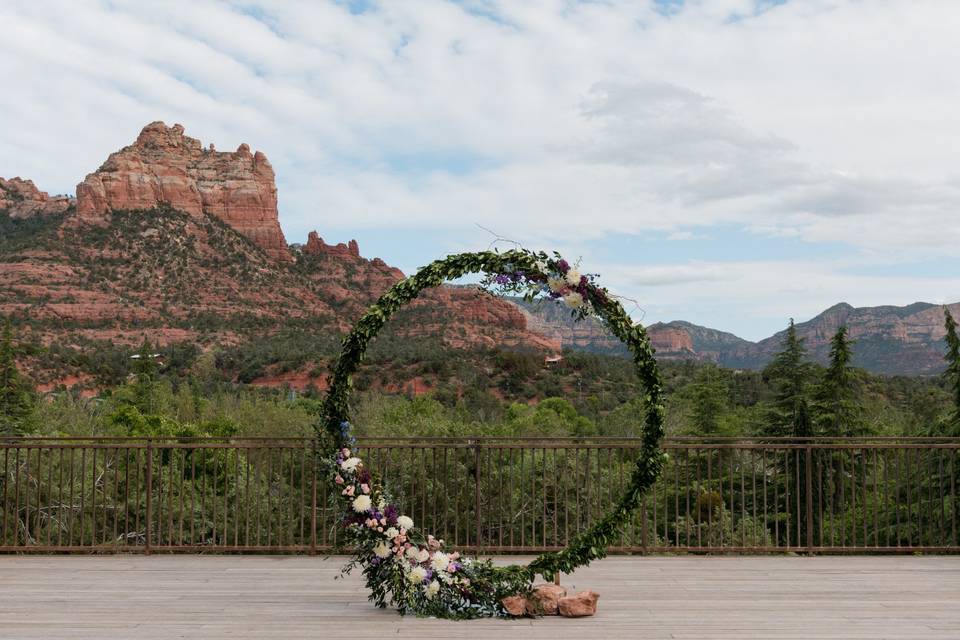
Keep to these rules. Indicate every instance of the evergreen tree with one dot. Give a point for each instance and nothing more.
(953, 369)
(146, 372)
(17, 398)
(838, 412)
(709, 401)
(790, 416)
(790, 375)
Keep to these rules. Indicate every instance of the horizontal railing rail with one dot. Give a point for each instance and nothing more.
(487, 494)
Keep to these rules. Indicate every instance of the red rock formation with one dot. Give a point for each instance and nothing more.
(22, 199)
(316, 246)
(670, 340)
(165, 166)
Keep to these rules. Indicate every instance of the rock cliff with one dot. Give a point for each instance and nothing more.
(164, 166)
(22, 199)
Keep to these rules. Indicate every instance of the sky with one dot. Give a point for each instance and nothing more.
(732, 163)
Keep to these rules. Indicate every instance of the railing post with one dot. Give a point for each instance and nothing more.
(313, 501)
(149, 518)
(809, 481)
(643, 525)
(476, 475)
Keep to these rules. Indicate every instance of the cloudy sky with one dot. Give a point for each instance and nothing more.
(728, 162)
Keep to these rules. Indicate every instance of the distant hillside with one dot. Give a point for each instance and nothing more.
(175, 243)
(888, 340)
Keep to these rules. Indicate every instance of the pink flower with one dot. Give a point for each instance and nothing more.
(365, 488)
(345, 452)
(349, 491)
(380, 529)
(338, 479)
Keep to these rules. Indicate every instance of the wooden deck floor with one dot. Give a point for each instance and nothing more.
(213, 597)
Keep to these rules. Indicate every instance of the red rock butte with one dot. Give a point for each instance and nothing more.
(23, 200)
(164, 166)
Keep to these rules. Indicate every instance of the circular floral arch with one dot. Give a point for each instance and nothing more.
(407, 567)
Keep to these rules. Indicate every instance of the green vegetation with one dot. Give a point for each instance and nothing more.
(952, 374)
(17, 398)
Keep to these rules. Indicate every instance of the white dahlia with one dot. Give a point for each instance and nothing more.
(417, 574)
(362, 504)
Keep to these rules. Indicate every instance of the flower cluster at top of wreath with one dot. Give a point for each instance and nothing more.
(553, 278)
(415, 568)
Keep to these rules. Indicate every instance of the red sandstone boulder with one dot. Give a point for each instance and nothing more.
(545, 599)
(165, 166)
(515, 605)
(579, 605)
(22, 199)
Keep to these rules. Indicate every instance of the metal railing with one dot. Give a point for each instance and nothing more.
(492, 495)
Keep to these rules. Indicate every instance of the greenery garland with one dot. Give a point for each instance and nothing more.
(404, 566)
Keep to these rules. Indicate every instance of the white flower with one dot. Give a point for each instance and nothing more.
(556, 284)
(391, 533)
(362, 504)
(405, 522)
(573, 300)
(412, 553)
(382, 550)
(350, 464)
(440, 561)
(573, 277)
(381, 503)
(432, 589)
(417, 574)
(423, 555)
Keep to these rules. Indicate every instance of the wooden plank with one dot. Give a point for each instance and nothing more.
(167, 596)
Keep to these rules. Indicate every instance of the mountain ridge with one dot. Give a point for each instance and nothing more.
(171, 241)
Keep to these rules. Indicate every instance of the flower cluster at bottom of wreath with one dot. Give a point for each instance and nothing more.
(404, 567)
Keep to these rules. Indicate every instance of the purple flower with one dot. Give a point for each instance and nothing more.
(564, 266)
(390, 513)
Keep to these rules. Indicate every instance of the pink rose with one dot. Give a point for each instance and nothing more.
(365, 488)
(338, 479)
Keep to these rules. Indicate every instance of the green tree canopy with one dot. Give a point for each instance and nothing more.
(838, 412)
(17, 395)
(953, 369)
(790, 374)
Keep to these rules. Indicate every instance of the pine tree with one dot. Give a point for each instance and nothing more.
(709, 401)
(838, 412)
(790, 374)
(17, 398)
(790, 416)
(953, 368)
(144, 387)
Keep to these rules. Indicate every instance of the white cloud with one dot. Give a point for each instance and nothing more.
(824, 120)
